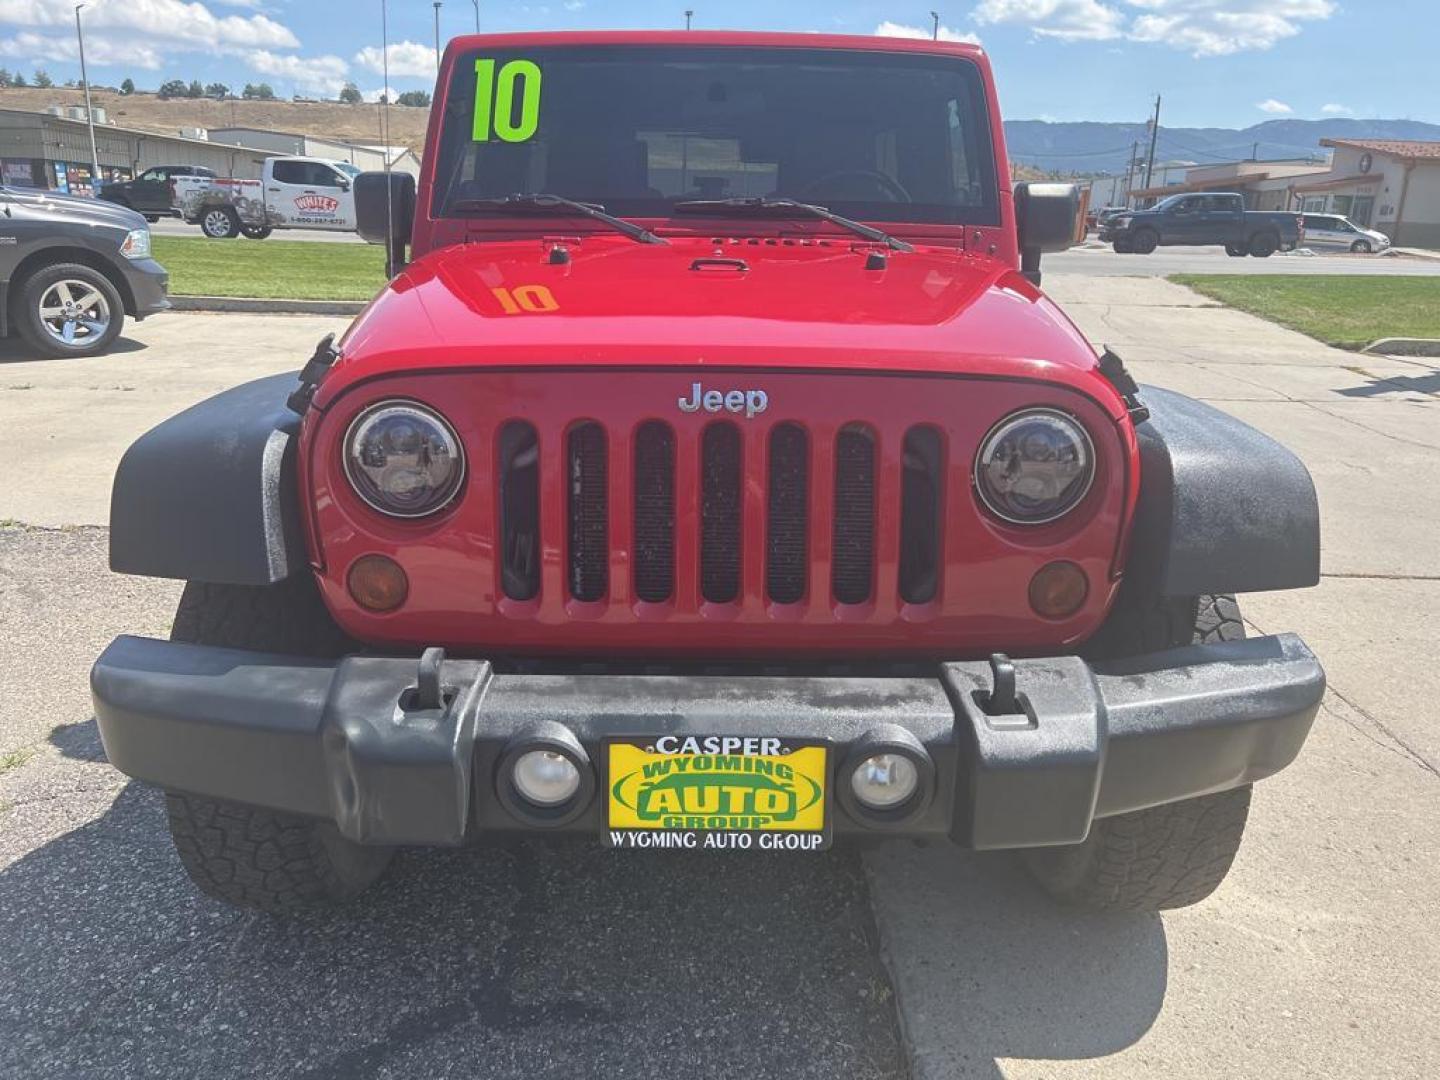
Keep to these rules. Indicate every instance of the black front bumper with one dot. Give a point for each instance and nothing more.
(149, 285)
(344, 742)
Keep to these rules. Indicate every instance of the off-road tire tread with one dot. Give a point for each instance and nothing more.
(1167, 856)
(288, 617)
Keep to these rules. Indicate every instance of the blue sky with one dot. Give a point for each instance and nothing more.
(1223, 63)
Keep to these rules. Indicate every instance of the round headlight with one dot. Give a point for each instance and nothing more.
(403, 459)
(884, 781)
(546, 777)
(1034, 466)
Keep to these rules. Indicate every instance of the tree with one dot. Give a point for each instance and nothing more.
(195, 90)
(19, 80)
(415, 98)
(42, 79)
(173, 89)
(127, 87)
(4, 78)
(263, 92)
(217, 90)
(350, 94)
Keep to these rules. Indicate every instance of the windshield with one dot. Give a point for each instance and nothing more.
(348, 169)
(878, 136)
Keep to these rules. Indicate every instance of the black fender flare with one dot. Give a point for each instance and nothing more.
(211, 494)
(1223, 507)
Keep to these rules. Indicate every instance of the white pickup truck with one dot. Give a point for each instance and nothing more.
(292, 193)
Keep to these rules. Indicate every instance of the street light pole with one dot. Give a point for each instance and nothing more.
(477, 14)
(437, 35)
(688, 16)
(89, 112)
(935, 18)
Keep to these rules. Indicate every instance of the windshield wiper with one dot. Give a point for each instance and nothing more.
(558, 204)
(721, 206)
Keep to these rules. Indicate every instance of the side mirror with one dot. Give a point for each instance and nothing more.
(342, 183)
(385, 213)
(1046, 217)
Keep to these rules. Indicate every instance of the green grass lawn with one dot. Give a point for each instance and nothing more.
(1345, 310)
(288, 269)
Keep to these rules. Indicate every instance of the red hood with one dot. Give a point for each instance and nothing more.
(797, 304)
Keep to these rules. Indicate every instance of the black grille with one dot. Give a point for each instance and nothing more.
(854, 521)
(720, 514)
(786, 540)
(920, 516)
(519, 483)
(586, 478)
(654, 512)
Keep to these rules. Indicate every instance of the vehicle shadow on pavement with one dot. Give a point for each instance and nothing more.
(987, 967)
(539, 960)
(14, 350)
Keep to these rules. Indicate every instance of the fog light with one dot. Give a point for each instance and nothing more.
(1058, 590)
(884, 781)
(546, 777)
(377, 583)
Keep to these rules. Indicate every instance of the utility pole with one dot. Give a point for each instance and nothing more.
(89, 112)
(1255, 152)
(689, 14)
(1130, 169)
(1154, 134)
(935, 33)
(437, 35)
(477, 14)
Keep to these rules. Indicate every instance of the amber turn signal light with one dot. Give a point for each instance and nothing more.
(377, 583)
(1058, 589)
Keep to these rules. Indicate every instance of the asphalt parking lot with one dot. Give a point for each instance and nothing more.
(1315, 958)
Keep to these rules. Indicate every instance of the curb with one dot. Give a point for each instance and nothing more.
(1405, 346)
(260, 306)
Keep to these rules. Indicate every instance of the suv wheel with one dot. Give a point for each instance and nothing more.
(1236, 251)
(1145, 241)
(1264, 245)
(1167, 856)
(69, 309)
(1361, 247)
(1122, 247)
(220, 223)
(245, 855)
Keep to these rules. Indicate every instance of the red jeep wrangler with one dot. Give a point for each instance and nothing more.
(714, 474)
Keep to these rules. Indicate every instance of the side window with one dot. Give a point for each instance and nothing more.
(291, 172)
(153, 175)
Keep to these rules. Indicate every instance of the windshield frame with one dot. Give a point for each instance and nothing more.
(993, 212)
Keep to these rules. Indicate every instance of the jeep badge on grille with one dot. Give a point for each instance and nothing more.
(750, 402)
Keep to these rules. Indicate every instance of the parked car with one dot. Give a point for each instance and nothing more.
(1336, 231)
(71, 269)
(1197, 220)
(292, 193)
(678, 507)
(1099, 217)
(150, 193)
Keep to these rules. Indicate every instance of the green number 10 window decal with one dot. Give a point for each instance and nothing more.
(495, 100)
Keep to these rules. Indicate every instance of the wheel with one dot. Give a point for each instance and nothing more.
(1236, 251)
(255, 232)
(1122, 247)
(152, 218)
(1145, 241)
(220, 223)
(1264, 245)
(1361, 247)
(245, 855)
(1166, 856)
(69, 309)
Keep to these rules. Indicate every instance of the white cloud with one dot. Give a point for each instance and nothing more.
(574, 5)
(313, 74)
(900, 30)
(410, 58)
(37, 48)
(1202, 27)
(1273, 107)
(1337, 110)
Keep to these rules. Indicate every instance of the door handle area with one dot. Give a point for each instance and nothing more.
(272, 189)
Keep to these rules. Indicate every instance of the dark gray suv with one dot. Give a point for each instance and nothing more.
(71, 269)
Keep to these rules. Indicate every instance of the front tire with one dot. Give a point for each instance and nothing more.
(1166, 856)
(255, 232)
(1145, 242)
(1122, 247)
(1361, 247)
(1236, 251)
(246, 855)
(69, 309)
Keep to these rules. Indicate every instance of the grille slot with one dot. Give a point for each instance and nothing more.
(519, 484)
(720, 514)
(854, 520)
(586, 478)
(654, 512)
(921, 515)
(787, 518)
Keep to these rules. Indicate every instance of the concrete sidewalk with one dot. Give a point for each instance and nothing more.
(1317, 956)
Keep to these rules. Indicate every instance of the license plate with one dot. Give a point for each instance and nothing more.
(717, 792)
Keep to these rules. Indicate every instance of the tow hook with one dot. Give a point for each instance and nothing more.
(429, 694)
(1001, 699)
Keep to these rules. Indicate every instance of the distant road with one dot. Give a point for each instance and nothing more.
(176, 227)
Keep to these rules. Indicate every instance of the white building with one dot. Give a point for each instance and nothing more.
(362, 155)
